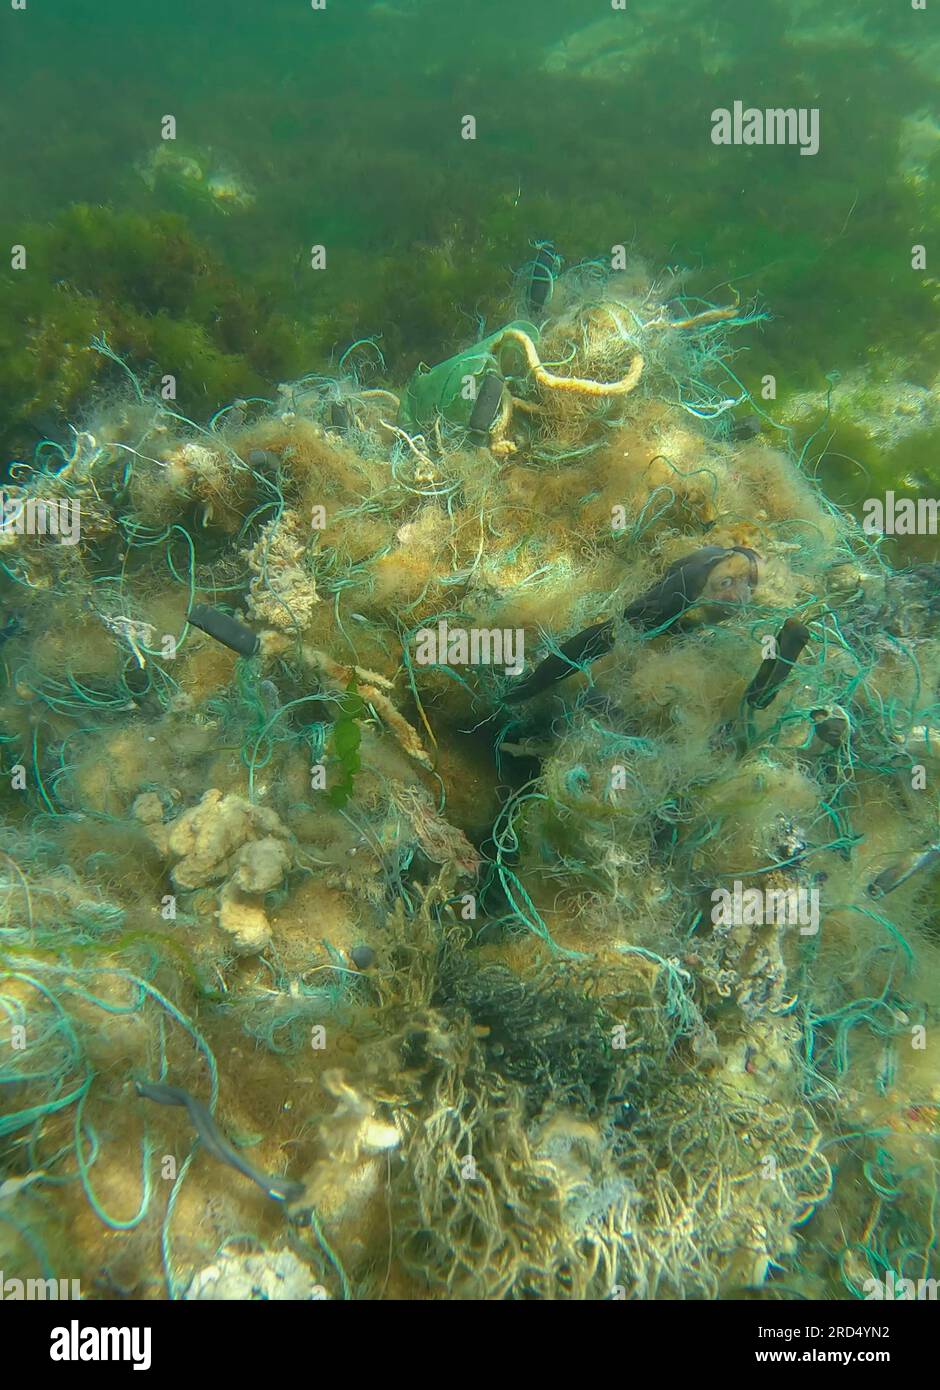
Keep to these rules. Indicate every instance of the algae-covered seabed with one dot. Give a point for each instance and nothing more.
(449, 963)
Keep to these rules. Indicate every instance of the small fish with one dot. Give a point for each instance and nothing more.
(224, 628)
(488, 402)
(341, 418)
(586, 646)
(710, 575)
(281, 1189)
(773, 670)
(542, 273)
(905, 869)
(717, 575)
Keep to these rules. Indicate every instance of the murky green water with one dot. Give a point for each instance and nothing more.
(593, 128)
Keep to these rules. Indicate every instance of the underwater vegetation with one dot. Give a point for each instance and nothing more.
(148, 289)
(424, 244)
(379, 757)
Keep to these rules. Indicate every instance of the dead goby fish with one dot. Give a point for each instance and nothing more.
(773, 670)
(899, 873)
(488, 405)
(281, 1189)
(225, 629)
(571, 655)
(717, 576)
(542, 274)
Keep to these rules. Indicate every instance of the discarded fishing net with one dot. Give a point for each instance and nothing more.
(296, 826)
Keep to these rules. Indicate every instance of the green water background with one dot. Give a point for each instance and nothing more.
(346, 124)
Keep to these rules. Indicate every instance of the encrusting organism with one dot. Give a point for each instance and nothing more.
(244, 848)
(576, 386)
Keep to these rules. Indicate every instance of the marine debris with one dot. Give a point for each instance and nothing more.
(612, 993)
